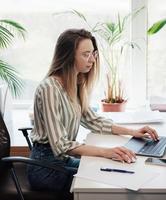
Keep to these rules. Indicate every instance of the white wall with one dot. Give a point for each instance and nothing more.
(139, 56)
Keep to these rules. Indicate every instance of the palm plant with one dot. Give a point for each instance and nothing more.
(112, 34)
(8, 30)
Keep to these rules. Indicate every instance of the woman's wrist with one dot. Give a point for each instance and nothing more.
(131, 132)
(119, 130)
(102, 152)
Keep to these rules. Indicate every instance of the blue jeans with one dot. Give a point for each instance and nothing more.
(48, 179)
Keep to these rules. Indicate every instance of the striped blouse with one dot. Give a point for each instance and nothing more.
(57, 122)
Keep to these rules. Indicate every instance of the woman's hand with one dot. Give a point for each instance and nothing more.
(117, 153)
(145, 131)
(120, 154)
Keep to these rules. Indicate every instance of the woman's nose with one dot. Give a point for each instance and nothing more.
(91, 58)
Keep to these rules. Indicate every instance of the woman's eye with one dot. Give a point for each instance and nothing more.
(86, 55)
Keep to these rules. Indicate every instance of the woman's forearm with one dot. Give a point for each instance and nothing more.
(88, 150)
(116, 153)
(119, 130)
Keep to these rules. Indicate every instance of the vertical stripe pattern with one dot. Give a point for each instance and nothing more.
(57, 122)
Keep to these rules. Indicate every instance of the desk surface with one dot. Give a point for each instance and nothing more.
(87, 189)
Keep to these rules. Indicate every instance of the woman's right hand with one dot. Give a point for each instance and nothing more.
(117, 153)
(121, 154)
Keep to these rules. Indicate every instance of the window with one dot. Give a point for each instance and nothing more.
(33, 57)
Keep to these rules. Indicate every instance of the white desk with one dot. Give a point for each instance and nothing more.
(90, 190)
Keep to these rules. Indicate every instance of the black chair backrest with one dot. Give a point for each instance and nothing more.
(4, 145)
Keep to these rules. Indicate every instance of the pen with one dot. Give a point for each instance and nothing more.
(116, 170)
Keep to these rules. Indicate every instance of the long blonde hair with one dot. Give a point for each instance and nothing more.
(77, 87)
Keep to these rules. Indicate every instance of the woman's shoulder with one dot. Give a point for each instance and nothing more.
(49, 83)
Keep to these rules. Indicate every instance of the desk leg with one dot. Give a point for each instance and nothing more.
(76, 196)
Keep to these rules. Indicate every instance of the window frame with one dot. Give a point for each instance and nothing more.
(139, 56)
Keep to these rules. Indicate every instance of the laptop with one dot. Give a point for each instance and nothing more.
(147, 147)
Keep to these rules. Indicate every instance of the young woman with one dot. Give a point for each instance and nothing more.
(62, 104)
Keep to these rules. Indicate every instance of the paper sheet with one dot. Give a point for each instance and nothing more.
(91, 170)
(134, 117)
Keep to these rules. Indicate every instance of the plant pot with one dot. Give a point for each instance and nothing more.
(113, 107)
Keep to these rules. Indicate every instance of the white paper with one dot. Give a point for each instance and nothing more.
(134, 117)
(91, 170)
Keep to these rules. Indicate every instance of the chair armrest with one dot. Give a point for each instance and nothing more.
(25, 129)
(14, 159)
(25, 133)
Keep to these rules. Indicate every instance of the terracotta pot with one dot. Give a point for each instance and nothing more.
(113, 107)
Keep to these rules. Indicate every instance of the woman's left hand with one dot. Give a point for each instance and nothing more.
(146, 131)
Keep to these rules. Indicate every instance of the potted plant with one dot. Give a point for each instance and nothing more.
(112, 34)
(112, 45)
(8, 74)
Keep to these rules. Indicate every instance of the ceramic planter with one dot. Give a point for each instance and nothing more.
(113, 107)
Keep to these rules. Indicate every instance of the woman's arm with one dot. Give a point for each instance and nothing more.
(116, 153)
(145, 131)
(102, 125)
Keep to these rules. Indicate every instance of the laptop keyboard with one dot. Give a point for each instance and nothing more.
(154, 148)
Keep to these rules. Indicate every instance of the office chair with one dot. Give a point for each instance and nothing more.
(26, 135)
(13, 181)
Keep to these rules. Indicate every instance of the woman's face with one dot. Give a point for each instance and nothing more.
(84, 56)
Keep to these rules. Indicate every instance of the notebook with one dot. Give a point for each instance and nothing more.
(147, 147)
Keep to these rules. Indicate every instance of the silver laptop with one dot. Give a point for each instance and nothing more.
(147, 147)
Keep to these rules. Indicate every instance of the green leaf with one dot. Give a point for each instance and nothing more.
(5, 37)
(8, 30)
(14, 27)
(11, 77)
(119, 23)
(80, 15)
(156, 27)
(111, 26)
